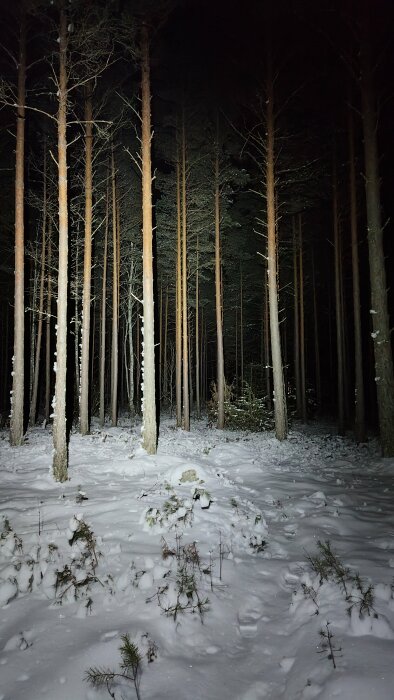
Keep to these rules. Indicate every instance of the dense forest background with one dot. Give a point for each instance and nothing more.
(196, 213)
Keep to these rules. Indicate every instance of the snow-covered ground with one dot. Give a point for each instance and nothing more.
(229, 559)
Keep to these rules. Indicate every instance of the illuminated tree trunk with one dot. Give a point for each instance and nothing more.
(87, 265)
(178, 320)
(218, 303)
(185, 337)
(149, 398)
(115, 302)
(197, 336)
(161, 334)
(33, 404)
(18, 372)
(384, 375)
(103, 315)
(138, 364)
(76, 318)
(48, 327)
(267, 359)
(276, 353)
(60, 457)
(130, 306)
(165, 352)
(241, 327)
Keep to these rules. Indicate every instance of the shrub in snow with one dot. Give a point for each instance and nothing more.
(177, 511)
(74, 580)
(24, 571)
(180, 592)
(244, 412)
(327, 565)
(8, 591)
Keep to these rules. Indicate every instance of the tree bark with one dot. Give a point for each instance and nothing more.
(115, 302)
(185, 339)
(280, 411)
(130, 307)
(18, 371)
(48, 327)
(87, 264)
(241, 328)
(267, 343)
(149, 398)
(384, 374)
(60, 457)
(178, 303)
(104, 315)
(33, 404)
(165, 352)
(197, 339)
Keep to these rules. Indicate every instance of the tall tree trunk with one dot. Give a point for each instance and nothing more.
(60, 457)
(267, 359)
(185, 339)
(178, 303)
(338, 305)
(115, 301)
(17, 398)
(33, 404)
(190, 356)
(384, 375)
(280, 411)
(218, 302)
(5, 361)
(33, 316)
(161, 333)
(138, 364)
(76, 319)
(165, 352)
(87, 264)
(104, 315)
(197, 343)
(149, 398)
(241, 328)
(130, 307)
(48, 327)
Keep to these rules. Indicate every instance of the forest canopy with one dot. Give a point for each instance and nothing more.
(196, 215)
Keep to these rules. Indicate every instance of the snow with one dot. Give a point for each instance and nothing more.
(242, 517)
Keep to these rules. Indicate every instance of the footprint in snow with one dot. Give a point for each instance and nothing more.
(107, 636)
(257, 691)
(290, 530)
(291, 577)
(248, 616)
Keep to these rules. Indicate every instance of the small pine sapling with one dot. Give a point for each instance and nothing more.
(327, 645)
(130, 666)
(328, 567)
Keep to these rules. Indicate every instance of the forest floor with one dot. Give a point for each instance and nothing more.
(241, 567)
